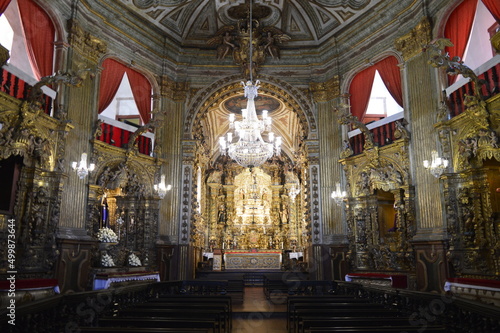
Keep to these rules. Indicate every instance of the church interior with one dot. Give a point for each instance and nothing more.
(345, 150)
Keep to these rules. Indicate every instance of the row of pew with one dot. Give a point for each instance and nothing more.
(343, 313)
(170, 313)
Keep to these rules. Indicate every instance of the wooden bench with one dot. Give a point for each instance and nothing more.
(142, 330)
(185, 313)
(376, 329)
(282, 288)
(162, 309)
(303, 315)
(154, 322)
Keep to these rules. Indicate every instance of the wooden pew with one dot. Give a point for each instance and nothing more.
(377, 329)
(142, 330)
(156, 322)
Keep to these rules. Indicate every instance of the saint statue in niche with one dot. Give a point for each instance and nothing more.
(222, 214)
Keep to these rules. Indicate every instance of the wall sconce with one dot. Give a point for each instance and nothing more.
(437, 165)
(82, 170)
(162, 188)
(338, 195)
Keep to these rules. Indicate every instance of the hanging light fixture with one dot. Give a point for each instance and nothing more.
(338, 196)
(437, 165)
(81, 168)
(162, 188)
(250, 150)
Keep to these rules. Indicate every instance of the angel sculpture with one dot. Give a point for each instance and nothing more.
(224, 40)
(273, 36)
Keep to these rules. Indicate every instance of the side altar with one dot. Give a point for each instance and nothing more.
(252, 259)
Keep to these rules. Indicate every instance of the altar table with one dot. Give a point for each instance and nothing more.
(252, 259)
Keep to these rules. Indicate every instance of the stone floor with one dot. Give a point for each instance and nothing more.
(257, 314)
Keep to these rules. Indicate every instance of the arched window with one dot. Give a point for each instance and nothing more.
(377, 89)
(469, 27)
(120, 87)
(29, 36)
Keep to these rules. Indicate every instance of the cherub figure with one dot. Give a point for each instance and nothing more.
(271, 38)
(224, 40)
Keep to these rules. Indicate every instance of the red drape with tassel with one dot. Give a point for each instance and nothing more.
(111, 78)
(494, 8)
(391, 75)
(360, 90)
(361, 85)
(39, 33)
(458, 29)
(3, 5)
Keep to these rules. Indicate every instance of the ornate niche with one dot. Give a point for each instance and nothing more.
(380, 213)
(31, 159)
(124, 201)
(261, 208)
(472, 195)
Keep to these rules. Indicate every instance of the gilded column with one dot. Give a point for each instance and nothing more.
(422, 81)
(169, 148)
(330, 146)
(422, 91)
(175, 208)
(81, 109)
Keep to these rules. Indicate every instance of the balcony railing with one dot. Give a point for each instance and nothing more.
(14, 83)
(488, 72)
(117, 134)
(383, 133)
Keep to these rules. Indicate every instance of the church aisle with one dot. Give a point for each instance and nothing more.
(257, 314)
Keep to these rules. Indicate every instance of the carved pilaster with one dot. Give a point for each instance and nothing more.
(412, 43)
(87, 45)
(176, 91)
(325, 91)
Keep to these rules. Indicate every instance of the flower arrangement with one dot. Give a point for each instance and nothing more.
(107, 235)
(107, 260)
(133, 260)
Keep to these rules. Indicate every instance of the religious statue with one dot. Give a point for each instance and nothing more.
(221, 218)
(236, 39)
(270, 41)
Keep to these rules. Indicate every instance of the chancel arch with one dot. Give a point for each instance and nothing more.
(263, 208)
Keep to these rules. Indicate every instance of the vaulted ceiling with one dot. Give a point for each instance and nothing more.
(192, 22)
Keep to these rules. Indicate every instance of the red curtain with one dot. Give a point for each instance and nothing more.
(361, 85)
(360, 90)
(39, 33)
(458, 28)
(111, 78)
(141, 88)
(391, 75)
(494, 8)
(3, 5)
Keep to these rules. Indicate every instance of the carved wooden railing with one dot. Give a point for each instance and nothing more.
(382, 130)
(18, 88)
(457, 91)
(117, 134)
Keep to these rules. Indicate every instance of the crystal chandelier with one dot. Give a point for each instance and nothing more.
(81, 168)
(338, 196)
(162, 188)
(250, 150)
(437, 165)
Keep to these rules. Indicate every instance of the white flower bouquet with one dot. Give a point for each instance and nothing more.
(107, 235)
(133, 260)
(107, 260)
